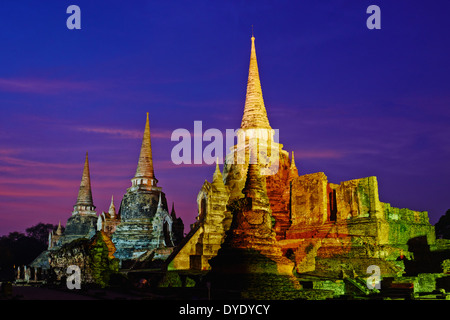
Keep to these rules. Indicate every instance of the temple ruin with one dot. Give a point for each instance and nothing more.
(331, 234)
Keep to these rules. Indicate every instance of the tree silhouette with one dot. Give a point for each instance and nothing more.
(17, 249)
(40, 231)
(442, 227)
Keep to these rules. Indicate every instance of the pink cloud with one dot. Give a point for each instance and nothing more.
(6, 151)
(38, 182)
(31, 163)
(44, 86)
(28, 193)
(125, 133)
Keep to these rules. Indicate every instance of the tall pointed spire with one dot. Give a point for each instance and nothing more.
(144, 172)
(293, 166)
(85, 204)
(255, 115)
(85, 192)
(59, 230)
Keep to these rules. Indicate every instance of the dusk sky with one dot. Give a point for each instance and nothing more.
(351, 102)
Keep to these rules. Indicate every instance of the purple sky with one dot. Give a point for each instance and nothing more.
(350, 102)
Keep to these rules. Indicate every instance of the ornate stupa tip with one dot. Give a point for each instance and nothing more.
(112, 209)
(217, 177)
(217, 171)
(85, 192)
(59, 230)
(255, 114)
(145, 163)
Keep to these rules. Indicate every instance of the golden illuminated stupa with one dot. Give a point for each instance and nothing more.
(325, 229)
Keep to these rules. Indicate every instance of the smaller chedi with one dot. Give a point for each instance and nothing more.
(250, 260)
(83, 222)
(70, 247)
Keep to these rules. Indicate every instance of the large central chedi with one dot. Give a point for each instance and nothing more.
(261, 213)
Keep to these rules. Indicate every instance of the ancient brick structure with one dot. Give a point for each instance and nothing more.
(206, 236)
(349, 221)
(263, 229)
(94, 257)
(325, 229)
